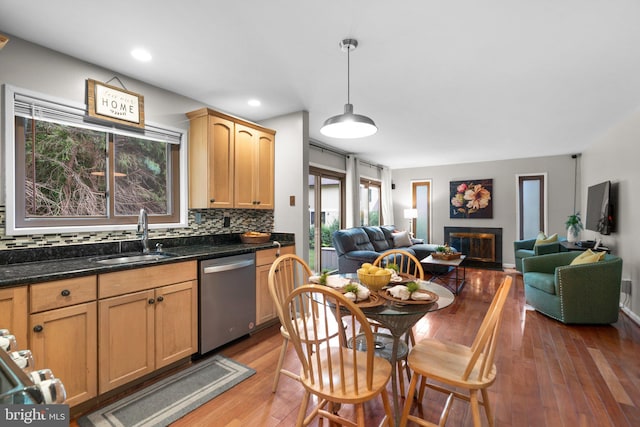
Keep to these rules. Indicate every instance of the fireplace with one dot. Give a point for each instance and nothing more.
(482, 246)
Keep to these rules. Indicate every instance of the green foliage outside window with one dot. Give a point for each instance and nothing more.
(66, 172)
(61, 170)
(326, 232)
(374, 218)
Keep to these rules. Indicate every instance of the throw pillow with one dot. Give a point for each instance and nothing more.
(542, 239)
(587, 257)
(401, 239)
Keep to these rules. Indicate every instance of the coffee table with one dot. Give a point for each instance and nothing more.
(457, 264)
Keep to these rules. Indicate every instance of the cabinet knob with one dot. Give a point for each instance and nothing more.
(160, 298)
(65, 292)
(151, 301)
(257, 202)
(38, 328)
(212, 200)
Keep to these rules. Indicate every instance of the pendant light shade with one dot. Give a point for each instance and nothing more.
(348, 125)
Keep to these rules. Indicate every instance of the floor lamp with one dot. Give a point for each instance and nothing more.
(411, 215)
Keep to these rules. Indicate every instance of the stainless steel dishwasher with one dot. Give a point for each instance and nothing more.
(227, 291)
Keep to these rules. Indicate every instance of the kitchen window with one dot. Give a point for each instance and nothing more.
(66, 173)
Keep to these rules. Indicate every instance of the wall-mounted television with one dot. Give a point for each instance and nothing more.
(600, 208)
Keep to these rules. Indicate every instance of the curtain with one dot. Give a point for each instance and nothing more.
(353, 192)
(387, 197)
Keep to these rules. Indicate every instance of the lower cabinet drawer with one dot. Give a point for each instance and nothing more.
(62, 293)
(268, 256)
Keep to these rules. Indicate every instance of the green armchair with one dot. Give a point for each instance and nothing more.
(584, 294)
(527, 248)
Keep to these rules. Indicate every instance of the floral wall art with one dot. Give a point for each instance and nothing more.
(471, 199)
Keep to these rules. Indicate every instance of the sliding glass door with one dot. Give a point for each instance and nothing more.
(326, 202)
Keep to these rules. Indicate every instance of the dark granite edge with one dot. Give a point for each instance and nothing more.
(44, 270)
(22, 255)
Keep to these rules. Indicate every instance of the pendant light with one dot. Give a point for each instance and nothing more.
(348, 125)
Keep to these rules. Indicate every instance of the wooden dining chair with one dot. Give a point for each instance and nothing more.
(448, 367)
(407, 264)
(334, 373)
(288, 272)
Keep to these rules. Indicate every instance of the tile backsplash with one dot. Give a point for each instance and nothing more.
(201, 222)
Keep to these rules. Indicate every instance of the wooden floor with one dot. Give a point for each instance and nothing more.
(549, 374)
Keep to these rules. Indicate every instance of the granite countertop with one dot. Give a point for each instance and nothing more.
(58, 263)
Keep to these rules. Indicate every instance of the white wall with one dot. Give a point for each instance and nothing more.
(614, 157)
(38, 69)
(291, 175)
(560, 175)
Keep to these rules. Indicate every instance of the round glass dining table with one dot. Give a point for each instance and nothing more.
(399, 318)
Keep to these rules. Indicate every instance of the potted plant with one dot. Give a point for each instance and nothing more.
(445, 252)
(574, 226)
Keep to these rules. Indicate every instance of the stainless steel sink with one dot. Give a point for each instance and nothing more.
(131, 258)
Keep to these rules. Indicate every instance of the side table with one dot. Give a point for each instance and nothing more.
(570, 246)
(457, 264)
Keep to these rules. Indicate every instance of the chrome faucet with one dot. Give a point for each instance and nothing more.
(143, 228)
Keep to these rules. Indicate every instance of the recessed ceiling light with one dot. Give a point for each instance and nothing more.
(254, 102)
(141, 55)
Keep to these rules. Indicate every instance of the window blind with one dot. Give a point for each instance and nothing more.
(51, 111)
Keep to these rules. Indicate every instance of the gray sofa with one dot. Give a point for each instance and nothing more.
(358, 245)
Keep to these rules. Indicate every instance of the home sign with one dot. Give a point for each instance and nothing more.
(114, 104)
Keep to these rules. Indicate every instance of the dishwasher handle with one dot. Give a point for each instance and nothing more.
(228, 267)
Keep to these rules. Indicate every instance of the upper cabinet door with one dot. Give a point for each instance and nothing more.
(245, 164)
(231, 162)
(254, 168)
(211, 153)
(264, 171)
(221, 164)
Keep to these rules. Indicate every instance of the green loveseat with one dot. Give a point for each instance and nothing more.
(527, 248)
(579, 294)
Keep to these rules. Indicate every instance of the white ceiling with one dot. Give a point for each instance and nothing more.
(446, 81)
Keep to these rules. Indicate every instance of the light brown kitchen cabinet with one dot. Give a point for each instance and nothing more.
(231, 162)
(265, 307)
(63, 334)
(13, 313)
(173, 340)
(254, 168)
(126, 338)
(211, 161)
(148, 320)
